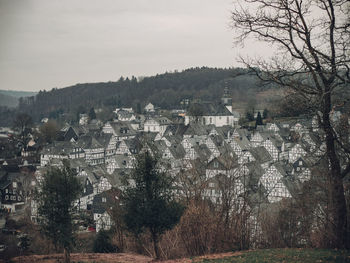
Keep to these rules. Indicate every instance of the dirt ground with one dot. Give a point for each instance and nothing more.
(84, 257)
(109, 258)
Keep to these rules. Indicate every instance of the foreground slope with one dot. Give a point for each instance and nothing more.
(293, 255)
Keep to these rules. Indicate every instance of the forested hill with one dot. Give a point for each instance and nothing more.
(164, 90)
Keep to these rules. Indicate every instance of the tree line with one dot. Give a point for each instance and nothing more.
(165, 90)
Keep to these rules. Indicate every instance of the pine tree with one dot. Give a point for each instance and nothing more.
(92, 114)
(149, 202)
(258, 120)
(55, 197)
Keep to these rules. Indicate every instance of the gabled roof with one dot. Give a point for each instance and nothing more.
(242, 142)
(104, 139)
(222, 163)
(212, 109)
(255, 172)
(99, 207)
(196, 129)
(309, 161)
(133, 144)
(202, 151)
(261, 154)
(93, 177)
(89, 142)
(227, 150)
(117, 176)
(225, 131)
(283, 168)
(271, 137)
(177, 150)
(123, 128)
(171, 130)
(160, 146)
(59, 148)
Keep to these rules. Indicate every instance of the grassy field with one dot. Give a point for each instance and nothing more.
(286, 256)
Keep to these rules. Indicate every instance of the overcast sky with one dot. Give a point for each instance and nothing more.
(58, 43)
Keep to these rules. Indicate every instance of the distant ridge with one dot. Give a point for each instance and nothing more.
(18, 93)
(10, 98)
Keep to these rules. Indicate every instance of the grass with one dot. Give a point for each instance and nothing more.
(287, 256)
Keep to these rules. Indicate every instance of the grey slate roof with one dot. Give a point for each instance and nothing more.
(117, 176)
(212, 109)
(261, 154)
(196, 129)
(89, 142)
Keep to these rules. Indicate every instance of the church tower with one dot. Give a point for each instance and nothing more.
(227, 99)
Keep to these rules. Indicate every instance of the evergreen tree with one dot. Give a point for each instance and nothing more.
(258, 120)
(148, 201)
(92, 114)
(265, 114)
(138, 108)
(58, 191)
(249, 116)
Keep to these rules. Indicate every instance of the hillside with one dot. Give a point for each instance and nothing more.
(164, 90)
(289, 255)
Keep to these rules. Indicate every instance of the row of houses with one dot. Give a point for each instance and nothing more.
(265, 165)
(275, 159)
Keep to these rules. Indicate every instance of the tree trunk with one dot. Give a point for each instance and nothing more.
(338, 215)
(66, 256)
(155, 244)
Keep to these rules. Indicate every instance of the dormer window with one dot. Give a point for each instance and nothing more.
(104, 200)
(14, 184)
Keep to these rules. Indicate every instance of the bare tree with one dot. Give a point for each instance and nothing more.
(312, 42)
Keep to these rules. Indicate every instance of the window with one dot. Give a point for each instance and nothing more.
(104, 200)
(6, 197)
(210, 120)
(14, 184)
(227, 120)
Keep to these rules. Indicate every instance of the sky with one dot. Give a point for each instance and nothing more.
(47, 44)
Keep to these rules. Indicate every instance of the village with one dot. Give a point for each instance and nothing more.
(265, 165)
